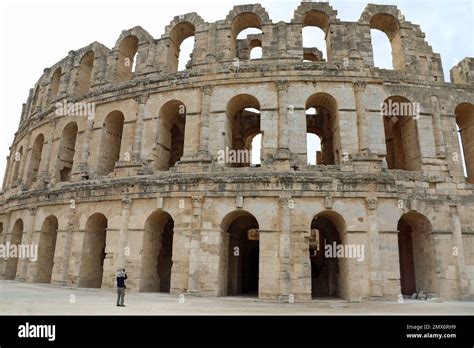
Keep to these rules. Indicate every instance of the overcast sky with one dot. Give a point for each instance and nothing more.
(36, 35)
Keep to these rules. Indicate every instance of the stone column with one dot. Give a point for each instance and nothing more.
(281, 38)
(66, 86)
(181, 252)
(375, 278)
(438, 128)
(64, 246)
(212, 253)
(137, 144)
(283, 152)
(195, 246)
(203, 152)
(458, 254)
(123, 235)
(26, 238)
(359, 88)
(8, 170)
(269, 265)
(285, 248)
(3, 240)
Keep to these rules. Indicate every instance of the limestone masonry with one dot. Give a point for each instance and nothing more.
(121, 160)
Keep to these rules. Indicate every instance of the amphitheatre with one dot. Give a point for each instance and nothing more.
(116, 163)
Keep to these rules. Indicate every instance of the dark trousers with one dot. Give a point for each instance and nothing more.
(120, 296)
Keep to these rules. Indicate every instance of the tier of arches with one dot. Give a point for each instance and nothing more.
(241, 257)
(245, 137)
(136, 53)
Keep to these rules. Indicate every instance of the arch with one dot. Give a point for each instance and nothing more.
(16, 167)
(84, 73)
(241, 237)
(401, 134)
(46, 250)
(243, 123)
(327, 230)
(171, 131)
(465, 121)
(54, 84)
(127, 56)
(416, 254)
(67, 150)
(180, 32)
(325, 124)
(15, 239)
(111, 141)
(315, 29)
(93, 252)
(157, 254)
(239, 23)
(390, 26)
(35, 160)
(255, 48)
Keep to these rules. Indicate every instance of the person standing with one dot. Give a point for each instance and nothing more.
(121, 277)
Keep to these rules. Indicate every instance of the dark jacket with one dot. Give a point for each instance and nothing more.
(121, 281)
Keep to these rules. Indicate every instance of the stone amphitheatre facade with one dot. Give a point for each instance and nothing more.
(131, 173)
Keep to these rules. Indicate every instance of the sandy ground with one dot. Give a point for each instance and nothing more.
(18, 298)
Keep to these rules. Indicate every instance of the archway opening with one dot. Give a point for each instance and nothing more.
(171, 132)
(416, 254)
(93, 252)
(111, 142)
(255, 48)
(246, 35)
(381, 49)
(15, 239)
(157, 256)
(243, 254)
(255, 148)
(182, 43)
(67, 150)
(84, 74)
(322, 121)
(390, 26)
(313, 149)
(46, 250)
(35, 160)
(243, 124)
(54, 84)
(326, 231)
(401, 134)
(314, 36)
(127, 58)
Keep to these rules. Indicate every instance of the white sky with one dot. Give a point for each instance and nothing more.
(36, 35)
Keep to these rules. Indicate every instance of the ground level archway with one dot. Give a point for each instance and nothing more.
(93, 252)
(243, 257)
(46, 249)
(416, 254)
(15, 239)
(326, 230)
(157, 257)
